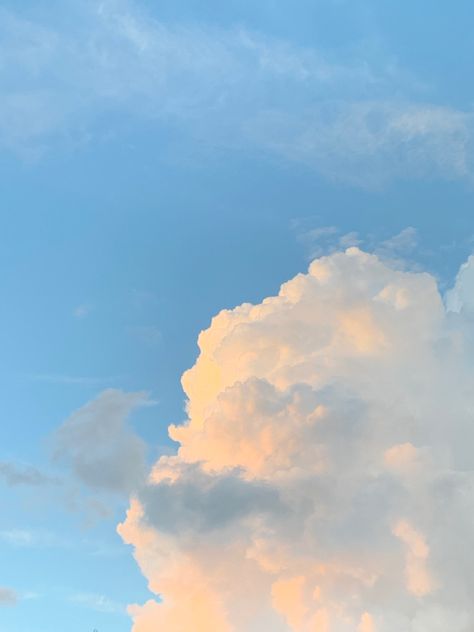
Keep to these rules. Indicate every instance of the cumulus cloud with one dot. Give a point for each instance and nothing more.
(100, 448)
(323, 479)
(224, 87)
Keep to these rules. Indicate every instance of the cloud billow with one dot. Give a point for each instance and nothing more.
(324, 475)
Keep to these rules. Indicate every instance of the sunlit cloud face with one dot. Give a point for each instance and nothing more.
(323, 480)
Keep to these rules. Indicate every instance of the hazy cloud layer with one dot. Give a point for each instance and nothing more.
(324, 476)
(356, 119)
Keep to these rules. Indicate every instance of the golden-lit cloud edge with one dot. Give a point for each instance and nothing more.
(323, 480)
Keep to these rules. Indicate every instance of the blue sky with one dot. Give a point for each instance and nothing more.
(159, 163)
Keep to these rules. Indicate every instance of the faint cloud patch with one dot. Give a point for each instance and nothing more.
(8, 597)
(142, 298)
(17, 537)
(91, 509)
(14, 474)
(24, 538)
(148, 335)
(317, 241)
(99, 603)
(400, 248)
(321, 240)
(82, 311)
(58, 378)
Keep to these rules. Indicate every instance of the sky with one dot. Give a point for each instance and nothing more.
(164, 168)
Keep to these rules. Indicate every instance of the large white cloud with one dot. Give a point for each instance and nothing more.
(324, 480)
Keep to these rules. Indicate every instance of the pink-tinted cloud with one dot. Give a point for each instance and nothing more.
(323, 480)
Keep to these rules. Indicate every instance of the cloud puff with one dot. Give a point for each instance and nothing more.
(323, 479)
(99, 447)
(225, 87)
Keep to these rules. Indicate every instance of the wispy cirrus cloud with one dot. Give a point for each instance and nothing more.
(370, 142)
(231, 88)
(320, 240)
(28, 538)
(18, 537)
(99, 603)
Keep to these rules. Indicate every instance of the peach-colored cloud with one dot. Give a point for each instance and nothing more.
(288, 598)
(323, 480)
(401, 457)
(366, 623)
(419, 581)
